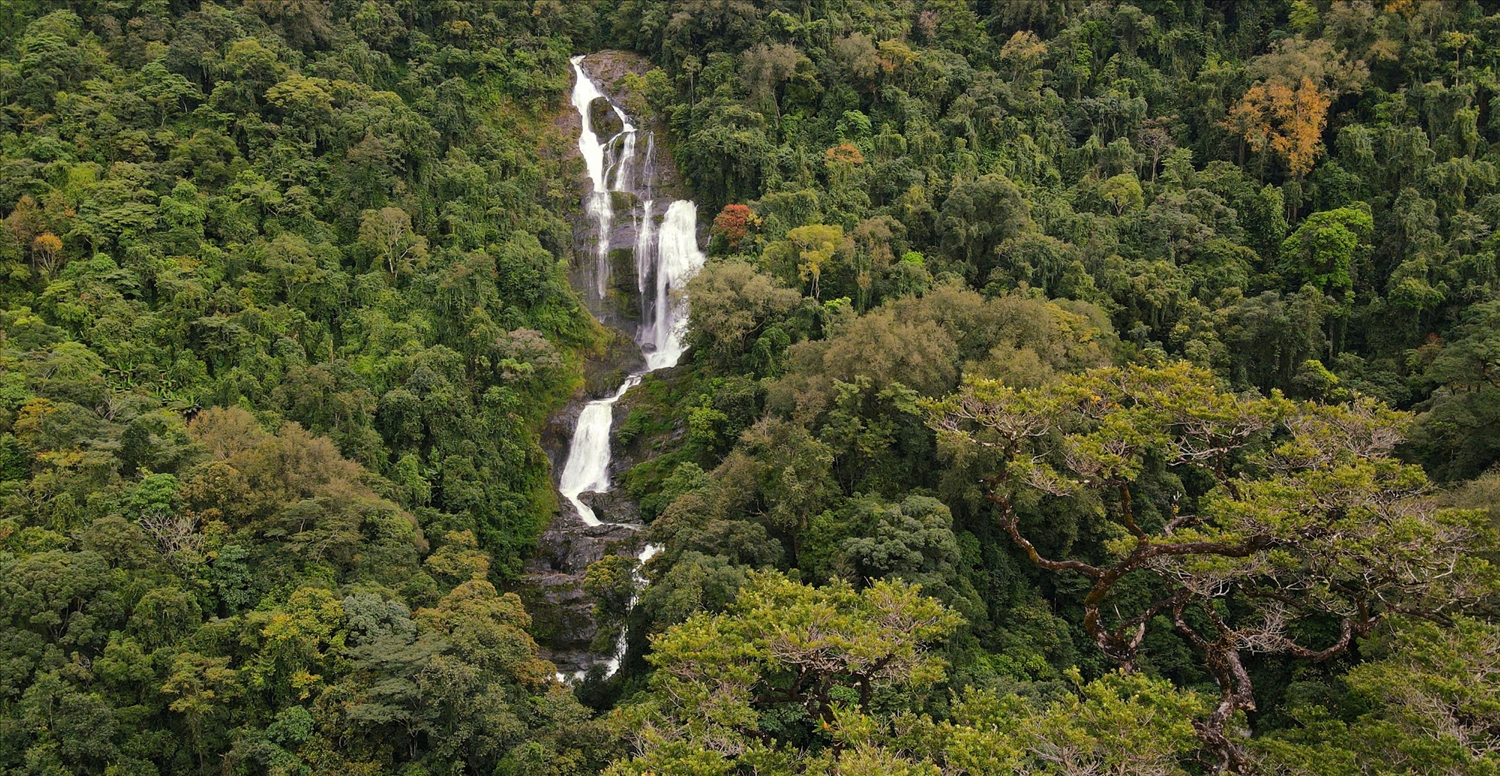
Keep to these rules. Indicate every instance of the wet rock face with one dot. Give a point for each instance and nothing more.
(602, 374)
(562, 616)
(620, 305)
(569, 545)
(614, 506)
(552, 588)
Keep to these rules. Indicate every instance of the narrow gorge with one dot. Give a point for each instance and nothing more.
(624, 235)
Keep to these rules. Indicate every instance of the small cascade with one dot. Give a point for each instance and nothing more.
(587, 469)
(667, 255)
(645, 245)
(645, 236)
(627, 158)
(584, 94)
(597, 201)
(623, 642)
(648, 167)
(612, 663)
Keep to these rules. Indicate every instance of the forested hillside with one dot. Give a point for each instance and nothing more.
(285, 303)
(1145, 337)
(1074, 387)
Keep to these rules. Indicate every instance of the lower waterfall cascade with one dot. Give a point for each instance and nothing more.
(667, 255)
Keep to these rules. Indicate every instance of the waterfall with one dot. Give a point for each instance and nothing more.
(584, 94)
(648, 166)
(623, 643)
(666, 257)
(587, 468)
(677, 260)
(627, 157)
(645, 245)
(597, 202)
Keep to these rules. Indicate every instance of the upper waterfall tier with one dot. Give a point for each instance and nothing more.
(601, 160)
(663, 243)
(584, 94)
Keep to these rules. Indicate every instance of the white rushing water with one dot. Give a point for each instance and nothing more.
(645, 245)
(677, 260)
(587, 468)
(597, 156)
(667, 256)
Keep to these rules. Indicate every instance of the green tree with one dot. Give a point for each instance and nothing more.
(1454, 433)
(387, 235)
(782, 660)
(202, 689)
(910, 540)
(1326, 247)
(1429, 695)
(979, 215)
(1122, 192)
(733, 304)
(814, 248)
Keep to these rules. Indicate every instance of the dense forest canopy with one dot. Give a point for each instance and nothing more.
(1074, 387)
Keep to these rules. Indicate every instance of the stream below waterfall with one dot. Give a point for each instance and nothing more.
(666, 256)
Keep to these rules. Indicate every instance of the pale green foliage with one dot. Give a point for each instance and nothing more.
(1436, 693)
(1433, 695)
(813, 249)
(1307, 516)
(733, 302)
(1118, 724)
(784, 655)
(1122, 192)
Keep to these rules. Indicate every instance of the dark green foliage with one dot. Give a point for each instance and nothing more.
(284, 307)
(291, 221)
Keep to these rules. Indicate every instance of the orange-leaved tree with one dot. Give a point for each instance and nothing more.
(1283, 120)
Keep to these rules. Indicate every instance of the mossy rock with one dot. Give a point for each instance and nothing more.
(606, 122)
(623, 202)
